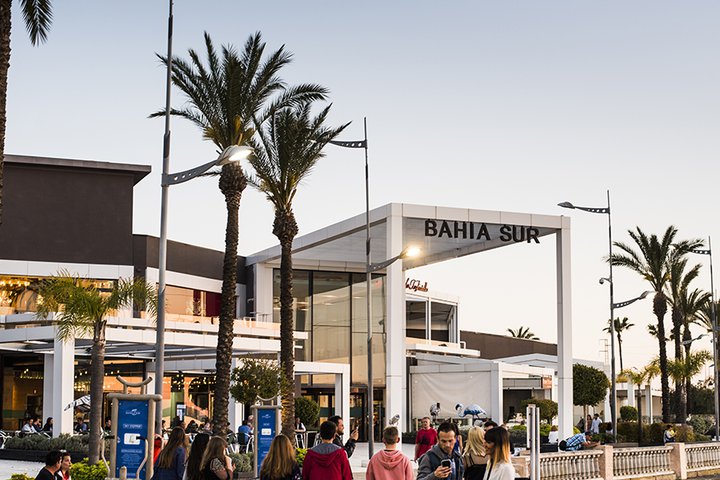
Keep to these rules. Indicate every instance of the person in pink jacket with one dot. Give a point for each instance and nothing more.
(390, 463)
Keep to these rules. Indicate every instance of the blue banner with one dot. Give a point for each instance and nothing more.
(132, 429)
(265, 432)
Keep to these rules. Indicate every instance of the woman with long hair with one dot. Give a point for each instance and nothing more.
(215, 465)
(475, 457)
(192, 468)
(280, 464)
(497, 446)
(170, 464)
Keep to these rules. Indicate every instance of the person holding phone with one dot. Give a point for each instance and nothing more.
(350, 444)
(441, 461)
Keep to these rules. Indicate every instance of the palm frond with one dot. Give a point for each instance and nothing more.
(37, 15)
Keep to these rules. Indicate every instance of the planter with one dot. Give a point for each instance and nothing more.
(35, 455)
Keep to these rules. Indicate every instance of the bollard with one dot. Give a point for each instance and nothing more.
(123, 473)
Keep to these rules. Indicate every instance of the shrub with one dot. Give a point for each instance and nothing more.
(308, 410)
(701, 423)
(243, 462)
(71, 443)
(699, 437)
(628, 414)
(83, 471)
(545, 429)
(21, 476)
(548, 408)
(685, 433)
(300, 455)
(518, 436)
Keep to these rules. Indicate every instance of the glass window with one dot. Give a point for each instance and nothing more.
(301, 309)
(442, 316)
(415, 312)
(359, 329)
(331, 317)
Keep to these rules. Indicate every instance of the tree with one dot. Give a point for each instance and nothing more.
(620, 326)
(691, 307)
(81, 309)
(227, 99)
(308, 410)
(548, 408)
(37, 15)
(683, 369)
(651, 263)
(522, 332)
(290, 145)
(675, 289)
(256, 379)
(590, 386)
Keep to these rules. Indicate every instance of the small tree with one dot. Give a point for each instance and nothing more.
(628, 413)
(307, 410)
(255, 380)
(590, 386)
(548, 408)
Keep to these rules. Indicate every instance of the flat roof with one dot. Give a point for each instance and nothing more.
(138, 171)
(441, 233)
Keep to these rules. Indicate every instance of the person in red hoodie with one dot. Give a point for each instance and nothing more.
(389, 464)
(326, 461)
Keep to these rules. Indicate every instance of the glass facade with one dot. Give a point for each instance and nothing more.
(332, 308)
(430, 320)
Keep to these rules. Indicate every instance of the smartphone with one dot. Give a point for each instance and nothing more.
(445, 462)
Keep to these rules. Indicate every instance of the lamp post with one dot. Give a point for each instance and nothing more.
(233, 153)
(713, 310)
(606, 211)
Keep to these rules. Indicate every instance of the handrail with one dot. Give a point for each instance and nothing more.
(702, 456)
(582, 465)
(629, 462)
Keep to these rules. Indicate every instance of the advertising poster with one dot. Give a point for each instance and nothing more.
(132, 429)
(265, 432)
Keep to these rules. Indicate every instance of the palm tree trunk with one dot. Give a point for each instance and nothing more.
(97, 378)
(620, 351)
(232, 183)
(285, 229)
(688, 401)
(679, 384)
(5, 23)
(660, 309)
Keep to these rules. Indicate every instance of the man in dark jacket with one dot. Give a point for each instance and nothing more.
(350, 445)
(326, 461)
(431, 468)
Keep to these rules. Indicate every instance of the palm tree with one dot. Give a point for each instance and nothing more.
(227, 99)
(677, 285)
(522, 332)
(651, 264)
(683, 370)
(620, 326)
(290, 145)
(37, 15)
(691, 305)
(81, 309)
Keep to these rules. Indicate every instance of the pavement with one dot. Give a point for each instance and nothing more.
(358, 462)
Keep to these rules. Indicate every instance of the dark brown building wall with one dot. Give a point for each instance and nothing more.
(182, 258)
(56, 210)
(499, 346)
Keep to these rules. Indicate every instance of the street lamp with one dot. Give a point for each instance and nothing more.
(713, 307)
(606, 211)
(233, 153)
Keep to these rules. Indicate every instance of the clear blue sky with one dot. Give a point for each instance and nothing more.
(499, 105)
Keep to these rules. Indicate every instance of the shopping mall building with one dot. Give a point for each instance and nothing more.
(77, 216)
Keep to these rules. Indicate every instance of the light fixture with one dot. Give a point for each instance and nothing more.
(234, 153)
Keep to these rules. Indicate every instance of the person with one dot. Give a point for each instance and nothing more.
(431, 467)
(244, 433)
(280, 463)
(299, 426)
(192, 427)
(595, 425)
(350, 444)
(80, 426)
(668, 434)
(458, 447)
(37, 424)
(175, 421)
(215, 464)
(497, 445)
(489, 424)
(192, 467)
(65, 464)
(52, 466)
(170, 464)
(328, 460)
(390, 463)
(425, 439)
(588, 423)
(475, 456)
(27, 428)
(207, 427)
(108, 424)
(48, 427)
(579, 441)
(553, 435)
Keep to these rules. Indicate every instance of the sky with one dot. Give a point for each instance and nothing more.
(494, 105)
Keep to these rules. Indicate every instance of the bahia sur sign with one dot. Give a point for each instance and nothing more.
(479, 231)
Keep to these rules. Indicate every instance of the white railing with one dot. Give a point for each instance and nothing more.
(570, 465)
(644, 461)
(702, 456)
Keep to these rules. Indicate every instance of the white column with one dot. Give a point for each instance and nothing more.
(606, 408)
(236, 410)
(342, 395)
(395, 391)
(150, 373)
(263, 295)
(564, 330)
(649, 405)
(63, 381)
(496, 393)
(631, 394)
(48, 387)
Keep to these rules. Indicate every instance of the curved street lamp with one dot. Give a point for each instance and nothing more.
(606, 211)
